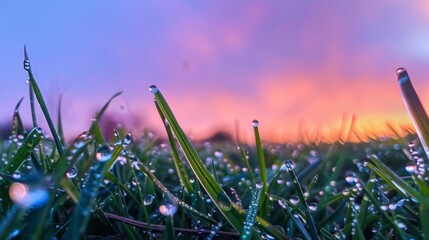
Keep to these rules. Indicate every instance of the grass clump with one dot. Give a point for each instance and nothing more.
(150, 188)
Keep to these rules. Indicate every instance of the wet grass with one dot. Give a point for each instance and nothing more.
(150, 188)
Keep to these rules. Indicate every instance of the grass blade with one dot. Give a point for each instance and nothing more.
(82, 211)
(414, 107)
(288, 166)
(395, 181)
(183, 175)
(41, 102)
(263, 204)
(213, 189)
(95, 128)
(252, 211)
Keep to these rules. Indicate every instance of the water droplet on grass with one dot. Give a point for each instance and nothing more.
(153, 89)
(72, 173)
(411, 167)
(392, 206)
(312, 207)
(288, 165)
(167, 209)
(16, 174)
(218, 154)
(127, 139)
(255, 123)
(259, 185)
(350, 179)
(26, 64)
(104, 153)
(224, 202)
(294, 200)
(148, 199)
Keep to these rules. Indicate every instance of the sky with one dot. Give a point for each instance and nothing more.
(296, 66)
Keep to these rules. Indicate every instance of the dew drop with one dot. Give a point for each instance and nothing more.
(282, 203)
(259, 185)
(294, 200)
(39, 130)
(218, 154)
(167, 209)
(104, 153)
(191, 180)
(288, 165)
(148, 199)
(255, 123)
(72, 173)
(312, 207)
(392, 206)
(411, 167)
(153, 89)
(127, 140)
(224, 202)
(26, 64)
(350, 179)
(17, 174)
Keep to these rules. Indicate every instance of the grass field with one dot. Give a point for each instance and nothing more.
(149, 188)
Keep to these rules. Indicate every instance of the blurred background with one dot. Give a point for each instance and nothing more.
(300, 67)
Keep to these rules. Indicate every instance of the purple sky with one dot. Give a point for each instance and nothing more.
(217, 62)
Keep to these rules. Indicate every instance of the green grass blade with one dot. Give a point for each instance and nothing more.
(82, 211)
(295, 218)
(245, 158)
(369, 194)
(183, 175)
(252, 211)
(169, 230)
(95, 128)
(170, 196)
(17, 126)
(288, 166)
(414, 107)
(395, 181)
(30, 142)
(263, 204)
(41, 102)
(60, 123)
(213, 189)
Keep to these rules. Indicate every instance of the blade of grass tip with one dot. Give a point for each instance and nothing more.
(245, 158)
(17, 126)
(95, 129)
(41, 101)
(82, 211)
(414, 107)
(289, 166)
(252, 211)
(183, 175)
(263, 204)
(213, 189)
(60, 122)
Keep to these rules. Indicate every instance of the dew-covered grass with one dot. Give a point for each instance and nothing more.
(141, 186)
